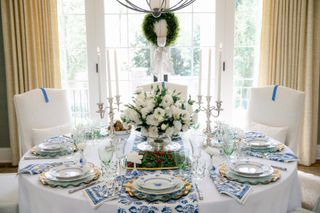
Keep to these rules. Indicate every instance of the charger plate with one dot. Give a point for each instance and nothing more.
(226, 172)
(149, 197)
(64, 184)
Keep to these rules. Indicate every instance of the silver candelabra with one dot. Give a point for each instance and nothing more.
(209, 112)
(102, 110)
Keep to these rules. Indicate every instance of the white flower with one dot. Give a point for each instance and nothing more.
(185, 116)
(167, 101)
(134, 157)
(152, 120)
(159, 113)
(175, 112)
(153, 132)
(140, 102)
(177, 126)
(164, 126)
(169, 131)
(133, 115)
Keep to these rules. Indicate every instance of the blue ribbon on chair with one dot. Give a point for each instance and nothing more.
(44, 93)
(274, 93)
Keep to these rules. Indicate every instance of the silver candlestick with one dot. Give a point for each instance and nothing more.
(102, 110)
(118, 102)
(209, 112)
(111, 114)
(199, 102)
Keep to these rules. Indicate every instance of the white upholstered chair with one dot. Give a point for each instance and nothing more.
(8, 193)
(285, 111)
(38, 118)
(310, 187)
(183, 89)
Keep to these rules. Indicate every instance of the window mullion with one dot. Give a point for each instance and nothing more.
(95, 38)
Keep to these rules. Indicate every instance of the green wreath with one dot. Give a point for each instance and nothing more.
(172, 26)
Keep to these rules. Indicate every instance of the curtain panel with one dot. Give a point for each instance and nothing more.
(290, 56)
(31, 48)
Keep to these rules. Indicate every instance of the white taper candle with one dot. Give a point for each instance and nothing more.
(116, 71)
(200, 73)
(219, 73)
(209, 74)
(109, 74)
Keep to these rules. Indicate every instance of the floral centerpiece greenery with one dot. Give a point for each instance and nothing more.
(160, 112)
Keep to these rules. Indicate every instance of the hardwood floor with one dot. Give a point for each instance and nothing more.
(7, 168)
(313, 169)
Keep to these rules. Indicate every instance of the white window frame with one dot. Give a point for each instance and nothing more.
(96, 37)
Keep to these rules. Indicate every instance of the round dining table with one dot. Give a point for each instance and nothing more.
(277, 197)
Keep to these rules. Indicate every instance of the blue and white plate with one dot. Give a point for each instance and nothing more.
(158, 184)
(69, 173)
(251, 169)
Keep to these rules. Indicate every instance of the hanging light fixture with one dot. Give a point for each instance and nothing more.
(156, 7)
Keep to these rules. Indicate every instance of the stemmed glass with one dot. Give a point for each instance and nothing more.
(182, 162)
(106, 152)
(228, 146)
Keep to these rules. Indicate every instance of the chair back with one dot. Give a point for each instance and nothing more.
(33, 112)
(285, 110)
(183, 89)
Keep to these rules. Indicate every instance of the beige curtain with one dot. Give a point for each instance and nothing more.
(30, 34)
(290, 56)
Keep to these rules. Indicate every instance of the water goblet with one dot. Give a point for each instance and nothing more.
(182, 162)
(228, 146)
(105, 152)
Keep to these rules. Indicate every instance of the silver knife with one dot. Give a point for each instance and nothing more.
(279, 167)
(38, 158)
(198, 191)
(83, 187)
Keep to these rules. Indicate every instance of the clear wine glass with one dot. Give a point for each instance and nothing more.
(105, 151)
(182, 162)
(228, 146)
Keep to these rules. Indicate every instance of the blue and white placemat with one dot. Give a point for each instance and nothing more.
(186, 204)
(37, 168)
(285, 157)
(237, 191)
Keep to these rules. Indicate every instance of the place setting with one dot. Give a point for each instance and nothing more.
(69, 175)
(52, 148)
(259, 145)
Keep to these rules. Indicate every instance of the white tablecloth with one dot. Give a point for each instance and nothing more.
(279, 197)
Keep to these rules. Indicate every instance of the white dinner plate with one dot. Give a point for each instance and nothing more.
(158, 182)
(258, 143)
(50, 146)
(68, 172)
(250, 168)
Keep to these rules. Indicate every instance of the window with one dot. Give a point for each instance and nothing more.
(87, 24)
(73, 55)
(246, 54)
(123, 32)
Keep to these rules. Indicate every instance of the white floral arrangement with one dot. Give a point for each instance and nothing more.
(160, 112)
